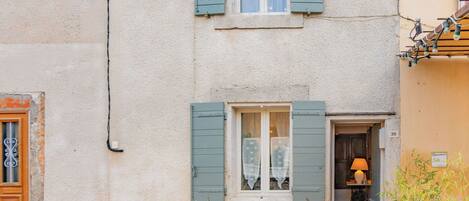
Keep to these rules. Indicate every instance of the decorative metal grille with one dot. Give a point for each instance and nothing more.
(10, 152)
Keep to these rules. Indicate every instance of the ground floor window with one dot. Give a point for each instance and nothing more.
(264, 148)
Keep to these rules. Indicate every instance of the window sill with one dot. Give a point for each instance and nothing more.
(241, 21)
(263, 196)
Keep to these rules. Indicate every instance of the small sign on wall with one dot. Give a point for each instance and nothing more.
(439, 159)
(393, 134)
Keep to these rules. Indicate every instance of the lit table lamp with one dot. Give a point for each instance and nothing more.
(359, 164)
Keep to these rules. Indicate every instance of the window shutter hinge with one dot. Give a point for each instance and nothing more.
(194, 172)
(224, 190)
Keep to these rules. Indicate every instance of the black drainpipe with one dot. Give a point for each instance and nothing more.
(108, 143)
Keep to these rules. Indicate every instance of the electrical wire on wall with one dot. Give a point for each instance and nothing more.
(361, 18)
(408, 18)
(108, 143)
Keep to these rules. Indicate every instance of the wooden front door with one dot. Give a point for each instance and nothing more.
(347, 148)
(14, 154)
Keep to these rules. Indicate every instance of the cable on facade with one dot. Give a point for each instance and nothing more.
(368, 17)
(359, 18)
(108, 143)
(408, 18)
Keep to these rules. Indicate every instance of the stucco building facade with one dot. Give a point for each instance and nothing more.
(162, 59)
(434, 94)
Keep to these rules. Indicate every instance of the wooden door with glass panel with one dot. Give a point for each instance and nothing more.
(14, 154)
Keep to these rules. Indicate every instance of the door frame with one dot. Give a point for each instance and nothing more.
(331, 122)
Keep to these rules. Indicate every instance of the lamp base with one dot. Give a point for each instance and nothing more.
(359, 176)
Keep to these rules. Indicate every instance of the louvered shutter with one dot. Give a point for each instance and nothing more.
(209, 7)
(208, 128)
(308, 150)
(307, 6)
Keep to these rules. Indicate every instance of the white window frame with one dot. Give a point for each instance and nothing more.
(462, 3)
(263, 8)
(265, 154)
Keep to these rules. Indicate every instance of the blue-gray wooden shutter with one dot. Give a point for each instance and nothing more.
(208, 130)
(308, 150)
(307, 6)
(375, 163)
(209, 7)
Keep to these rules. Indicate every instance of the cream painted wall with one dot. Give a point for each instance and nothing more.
(434, 93)
(435, 107)
(347, 61)
(428, 14)
(57, 47)
(162, 59)
(72, 77)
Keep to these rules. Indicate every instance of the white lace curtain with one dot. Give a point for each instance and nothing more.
(251, 160)
(279, 146)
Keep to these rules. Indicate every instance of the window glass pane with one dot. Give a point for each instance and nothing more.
(250, 6)
(279, 132)
(251, 151)
(10, 158)
(462, 3)
(277, 5)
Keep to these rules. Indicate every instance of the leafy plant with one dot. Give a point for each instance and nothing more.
(418, 181)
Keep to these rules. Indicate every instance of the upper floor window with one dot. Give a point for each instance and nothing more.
(462, 3)
(264, 6)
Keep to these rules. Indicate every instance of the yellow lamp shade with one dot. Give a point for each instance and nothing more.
(359, 164)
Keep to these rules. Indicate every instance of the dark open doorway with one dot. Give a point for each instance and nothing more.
(356, 149)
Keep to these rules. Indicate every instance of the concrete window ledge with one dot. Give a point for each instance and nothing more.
(259, 22)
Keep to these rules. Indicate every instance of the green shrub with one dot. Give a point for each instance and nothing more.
(418, 181)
